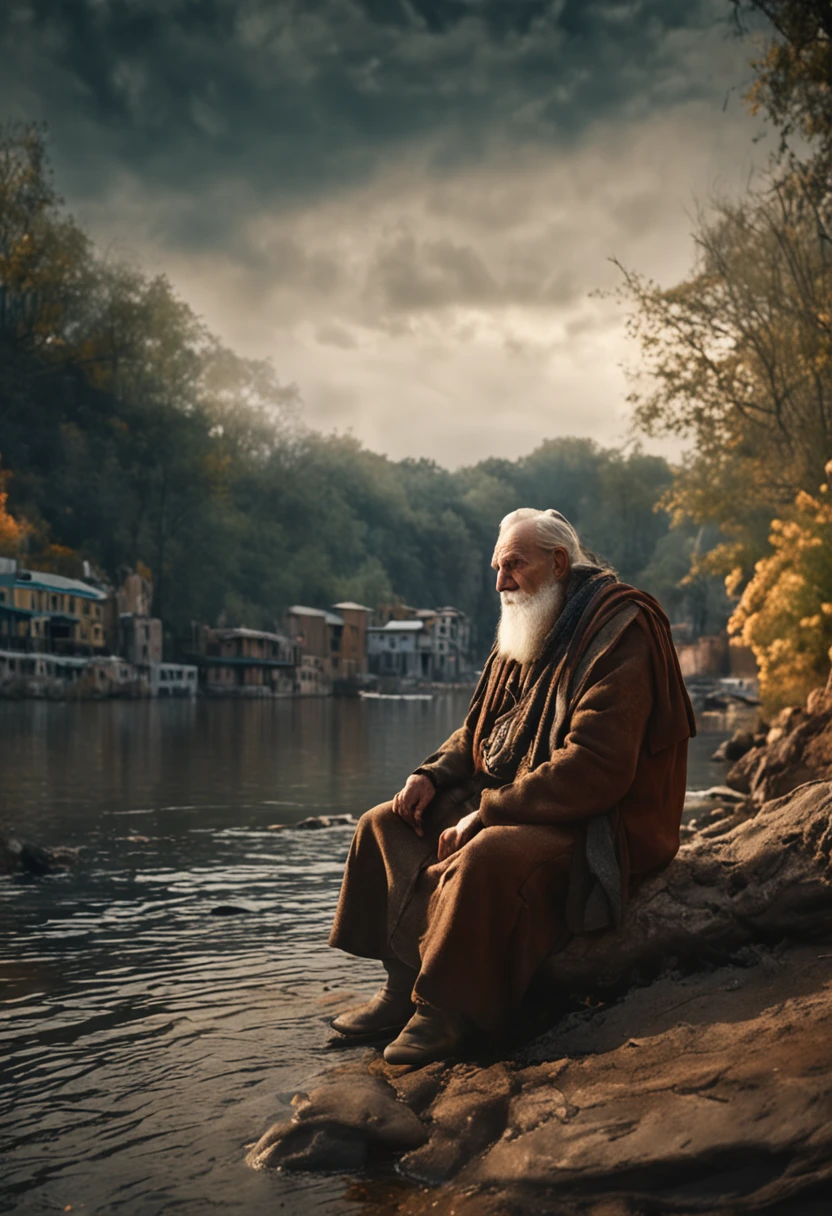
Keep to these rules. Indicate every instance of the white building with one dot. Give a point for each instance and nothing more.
(395, 649)
(430, 644)
(172, 680)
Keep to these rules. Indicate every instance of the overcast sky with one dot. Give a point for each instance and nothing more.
(405, 203)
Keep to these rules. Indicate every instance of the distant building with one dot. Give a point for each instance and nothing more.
(353, 652)
(140, 639)
(50, 613)
(247, 662)
(318, 633)
(705, 656)
(450, 640)
(172, 680)
(32, 673)
(36, 674)
(108, 676)
(429, 644)
(135, 595)
(396, 649)
(312, 678)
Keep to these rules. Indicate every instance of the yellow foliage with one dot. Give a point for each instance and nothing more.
(785, 612)
(13, 532)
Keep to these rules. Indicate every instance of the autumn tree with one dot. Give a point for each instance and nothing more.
(785, 611)
(13, 532)
(738, 359)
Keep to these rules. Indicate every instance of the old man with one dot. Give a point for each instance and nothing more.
(562, 790)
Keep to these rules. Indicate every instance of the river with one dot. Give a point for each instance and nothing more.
(145, 1039)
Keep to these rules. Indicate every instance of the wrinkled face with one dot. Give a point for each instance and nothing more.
(532, 586)
(521, 565)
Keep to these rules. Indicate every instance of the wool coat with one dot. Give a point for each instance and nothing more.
(577, 765)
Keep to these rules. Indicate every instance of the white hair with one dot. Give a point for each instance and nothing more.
(554, 531)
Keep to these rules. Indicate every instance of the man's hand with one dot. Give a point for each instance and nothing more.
(412, 802)
(452, 839)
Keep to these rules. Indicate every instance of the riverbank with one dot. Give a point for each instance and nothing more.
(688, 1067)
(708, 1089)
(684, 1097)
(49, 677)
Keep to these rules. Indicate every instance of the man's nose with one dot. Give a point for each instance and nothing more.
(505, 582)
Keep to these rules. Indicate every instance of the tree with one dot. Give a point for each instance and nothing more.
(785, 612)
(44, 256)
(13, 532)
(738, 358)
(792, 76)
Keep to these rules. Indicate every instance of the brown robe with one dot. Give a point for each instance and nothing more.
(577, 764)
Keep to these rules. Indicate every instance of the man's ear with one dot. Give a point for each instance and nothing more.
(560, 563)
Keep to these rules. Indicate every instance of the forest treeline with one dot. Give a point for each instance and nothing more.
(132, 438)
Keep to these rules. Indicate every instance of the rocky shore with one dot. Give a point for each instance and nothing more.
(687, 1066)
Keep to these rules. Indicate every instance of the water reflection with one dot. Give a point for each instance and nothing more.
(146, 1041)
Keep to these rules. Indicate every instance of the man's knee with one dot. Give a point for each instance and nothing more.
(378, 822)
(377, 816)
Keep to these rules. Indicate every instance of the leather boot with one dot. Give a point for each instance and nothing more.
(386, 1012)
(431, 1034)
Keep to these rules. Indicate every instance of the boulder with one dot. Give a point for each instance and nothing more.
(315, 822)
(28, 858)
(797, 748)
(734, 748)
(338, 1125)
(750, 879)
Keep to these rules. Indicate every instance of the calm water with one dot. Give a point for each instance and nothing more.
(145, 1041)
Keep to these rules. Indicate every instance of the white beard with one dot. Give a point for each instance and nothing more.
(525, 620)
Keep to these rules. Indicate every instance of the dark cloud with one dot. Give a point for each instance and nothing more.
(406, 203)
(289, 99)
(411, 276)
